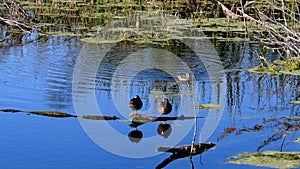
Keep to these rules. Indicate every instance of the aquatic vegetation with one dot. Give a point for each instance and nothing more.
(297, 140)
(294, 102)
(208, 106)
(84, 17)
(272, 159)
(289, 66)
(280, 33)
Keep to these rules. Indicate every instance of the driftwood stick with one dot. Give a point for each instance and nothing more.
(186, 149)
(283, 36)
(19, 18)
(17, 24)
(182, 152)
(144, 119)
(61, 114)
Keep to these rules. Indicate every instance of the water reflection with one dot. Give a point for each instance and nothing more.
(38, 76)
(135, 136)
(266, 93)
(164, 129)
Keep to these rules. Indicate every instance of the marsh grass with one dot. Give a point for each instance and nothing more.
(84, 17)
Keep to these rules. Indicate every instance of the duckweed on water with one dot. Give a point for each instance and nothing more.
(297, 140)
(290, 66)
(272, 159)
(294, 102)
(208, 106)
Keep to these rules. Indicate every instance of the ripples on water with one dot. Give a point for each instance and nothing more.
(39, 76)
(43, 68)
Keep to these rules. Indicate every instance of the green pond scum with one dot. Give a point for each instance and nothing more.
(271, 159)
(290, 66)
(297, 140)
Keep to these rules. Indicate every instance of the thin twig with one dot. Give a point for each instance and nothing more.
(195, 118)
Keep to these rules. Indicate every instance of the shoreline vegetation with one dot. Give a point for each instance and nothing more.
(275, 25)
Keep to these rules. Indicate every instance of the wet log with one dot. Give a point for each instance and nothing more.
(138, 118)
(11, 110)
(185, 150)
(51, 114)
(61, 114)
(99, 117)
(182, 152)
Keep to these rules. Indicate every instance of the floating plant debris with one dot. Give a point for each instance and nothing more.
(272, 159)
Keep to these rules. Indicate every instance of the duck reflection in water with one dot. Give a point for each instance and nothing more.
(164, 129)
(164, 107)
(135, 103)
(135, 136)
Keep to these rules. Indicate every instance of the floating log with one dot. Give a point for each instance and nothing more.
(11, 110)
(61, 114)
(51, 113)
(186, 149)
(138, 118)
(182, 152)
(99, 117)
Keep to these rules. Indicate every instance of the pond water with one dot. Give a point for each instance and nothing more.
(66, 75)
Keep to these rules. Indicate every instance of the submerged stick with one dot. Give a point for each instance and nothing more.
(51, 114)
(182, 152)
(138, 118)
(11, 110)
(93, 117)
(61, 114)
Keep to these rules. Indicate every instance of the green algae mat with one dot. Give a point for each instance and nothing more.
(272, 159)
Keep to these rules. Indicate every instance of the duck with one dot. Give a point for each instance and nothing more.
(164, 107)
(135, 103)
(184, 77)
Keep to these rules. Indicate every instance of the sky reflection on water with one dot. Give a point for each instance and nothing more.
(38, 76)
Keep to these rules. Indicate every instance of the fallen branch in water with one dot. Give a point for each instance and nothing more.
(17, 24)
(61, 114)
(182, 152)
(279, 35)
(138, 119)
(18, 16)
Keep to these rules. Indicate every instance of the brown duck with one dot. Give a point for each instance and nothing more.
(135, 103)
(164, 107)
(184, 77)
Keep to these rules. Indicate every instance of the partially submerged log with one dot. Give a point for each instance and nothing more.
(138, 118)
(61, 114)
(51, 114)
(11, 110)
(99, 117)
(182, 152)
